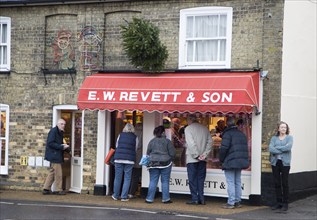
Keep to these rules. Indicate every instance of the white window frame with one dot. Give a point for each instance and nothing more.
(200, 11)
(4, 168)
(5, 67)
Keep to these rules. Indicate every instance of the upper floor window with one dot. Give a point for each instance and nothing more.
(5, 35)
(205, 38)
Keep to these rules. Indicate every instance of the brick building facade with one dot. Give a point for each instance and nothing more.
(45, 73)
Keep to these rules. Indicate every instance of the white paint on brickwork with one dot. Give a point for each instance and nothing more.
(298, 97)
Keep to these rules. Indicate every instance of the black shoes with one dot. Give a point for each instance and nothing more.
(276, 206)
(60, 193)
(284, 207)
(168, 201)
(46, 192)
(49, 192)
(192, 203)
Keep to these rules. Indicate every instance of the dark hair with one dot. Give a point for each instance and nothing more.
(192, 118)
(158, 131)
(240, 122)
(182, 130)
(278, 126)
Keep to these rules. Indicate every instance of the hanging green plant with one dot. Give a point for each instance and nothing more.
(142, 45)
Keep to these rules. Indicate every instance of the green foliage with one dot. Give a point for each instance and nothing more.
(142, 45)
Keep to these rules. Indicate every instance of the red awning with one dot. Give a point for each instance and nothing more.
(225, 92)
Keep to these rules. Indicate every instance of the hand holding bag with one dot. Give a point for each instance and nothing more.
(109, 158)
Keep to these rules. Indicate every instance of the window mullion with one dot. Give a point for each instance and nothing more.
(2, 55)
(194, 39)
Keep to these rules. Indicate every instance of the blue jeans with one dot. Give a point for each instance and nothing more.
(120, 170)
(165, 174)
(196, 173)
(233, 178)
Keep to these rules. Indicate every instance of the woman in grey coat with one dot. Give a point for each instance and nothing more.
(280, 158)
(161, 153)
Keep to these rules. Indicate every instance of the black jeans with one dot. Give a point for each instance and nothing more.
(135, 179)
(280, 175)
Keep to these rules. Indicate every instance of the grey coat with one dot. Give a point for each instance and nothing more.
(198, 142)
(281, 149)
(161, 149)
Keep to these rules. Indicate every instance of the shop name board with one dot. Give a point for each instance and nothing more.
(207, 184)
(160, 96)
(215, 183)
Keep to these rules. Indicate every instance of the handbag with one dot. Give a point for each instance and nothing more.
(109, 159)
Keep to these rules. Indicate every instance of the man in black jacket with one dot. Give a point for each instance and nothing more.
(54, 152)
(234, 157)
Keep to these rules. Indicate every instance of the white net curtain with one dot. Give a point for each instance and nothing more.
(206, 38)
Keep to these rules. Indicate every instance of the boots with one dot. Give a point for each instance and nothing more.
(276, 206)
(284, 207)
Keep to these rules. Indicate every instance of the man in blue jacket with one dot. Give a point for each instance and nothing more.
(54, 152)
(234, 156)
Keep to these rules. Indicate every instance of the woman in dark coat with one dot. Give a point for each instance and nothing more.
(124, 158)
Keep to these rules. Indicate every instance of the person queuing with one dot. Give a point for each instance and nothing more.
(124, 158)
(221, 126)
(54, 153)
(137, 168)
(233, 155)
(161, 154)
(280, 157)
(199, 142)
(177, 142)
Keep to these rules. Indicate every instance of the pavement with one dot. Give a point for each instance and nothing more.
(304, 209)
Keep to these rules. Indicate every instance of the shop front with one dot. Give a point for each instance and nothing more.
(167, 98)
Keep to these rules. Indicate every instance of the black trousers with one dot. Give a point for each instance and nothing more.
(136, 175)
(280, 175)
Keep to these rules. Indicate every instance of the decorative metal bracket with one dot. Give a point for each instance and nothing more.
(257, 112)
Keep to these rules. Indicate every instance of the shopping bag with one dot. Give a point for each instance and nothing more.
(109, 159)
(144, 160)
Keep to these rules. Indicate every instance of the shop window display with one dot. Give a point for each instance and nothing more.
(2, 137)
(121, 118)
(175, 125)
(134, 117)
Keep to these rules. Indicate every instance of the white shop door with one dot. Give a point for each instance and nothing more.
(77, 152)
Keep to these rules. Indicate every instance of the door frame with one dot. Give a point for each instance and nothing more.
(4, 168)
(56, 115)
